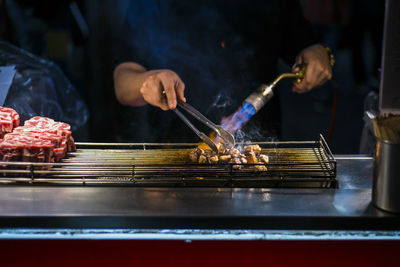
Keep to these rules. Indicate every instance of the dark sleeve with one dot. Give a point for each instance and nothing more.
(297, 32)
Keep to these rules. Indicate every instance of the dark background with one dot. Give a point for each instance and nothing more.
(353, 29)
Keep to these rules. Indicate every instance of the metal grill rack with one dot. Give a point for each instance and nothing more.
(302, 164)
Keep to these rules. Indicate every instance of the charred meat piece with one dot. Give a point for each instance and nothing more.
(194, 154)
(252, 148)
(237, 163)
(260, 168)
(233, 151)
(220, 147)
(202, 159)
(225, 158)
(202, 156)
(251, 157)
(213, 159)
(264, 158)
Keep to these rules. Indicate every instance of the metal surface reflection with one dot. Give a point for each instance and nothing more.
(347, 207)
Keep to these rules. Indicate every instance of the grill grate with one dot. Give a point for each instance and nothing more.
(292, 164)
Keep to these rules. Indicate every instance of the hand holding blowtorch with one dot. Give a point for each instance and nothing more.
(312, 68)
(254, 102)
(320, 61)
(265, 92)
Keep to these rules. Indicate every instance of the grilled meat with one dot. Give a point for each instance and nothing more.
(250, 154)
(264, 158)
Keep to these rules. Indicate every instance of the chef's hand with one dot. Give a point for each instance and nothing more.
(136, 86)
(160, 84)
(162, 88)
(318, 69)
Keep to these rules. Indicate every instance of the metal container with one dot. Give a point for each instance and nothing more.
(386, 180)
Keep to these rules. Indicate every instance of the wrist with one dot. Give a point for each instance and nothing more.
(331, 57)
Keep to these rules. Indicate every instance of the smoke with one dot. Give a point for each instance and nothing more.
(221, 101)
(193, 39)
(253, 134)
(187, 37)
(249, 136)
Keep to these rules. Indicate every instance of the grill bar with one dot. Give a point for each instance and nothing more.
(292, 164)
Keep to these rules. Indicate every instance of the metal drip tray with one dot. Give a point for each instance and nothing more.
(304, 164)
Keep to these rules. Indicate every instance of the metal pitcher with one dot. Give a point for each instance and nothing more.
(386, 179)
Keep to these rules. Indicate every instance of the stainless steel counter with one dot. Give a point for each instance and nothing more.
(261, 211)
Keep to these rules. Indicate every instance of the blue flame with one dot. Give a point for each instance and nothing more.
(239, 118)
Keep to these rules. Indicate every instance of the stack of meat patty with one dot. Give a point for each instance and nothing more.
(9, 119)
(41, 139)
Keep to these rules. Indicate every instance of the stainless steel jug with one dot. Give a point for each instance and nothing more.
(386, 179)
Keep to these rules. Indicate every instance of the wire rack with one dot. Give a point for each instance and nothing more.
(301, 164)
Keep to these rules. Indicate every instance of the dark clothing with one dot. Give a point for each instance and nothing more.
(222, 50)
(366, 17)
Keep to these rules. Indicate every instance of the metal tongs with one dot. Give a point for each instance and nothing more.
(226, 136)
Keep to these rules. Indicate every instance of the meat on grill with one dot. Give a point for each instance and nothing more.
(250, 154)
(9, 119)
(41, 139)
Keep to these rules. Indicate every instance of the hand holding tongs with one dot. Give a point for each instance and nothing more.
(224, 134)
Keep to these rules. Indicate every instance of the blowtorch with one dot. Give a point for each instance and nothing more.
(254, 102)
(265, 92)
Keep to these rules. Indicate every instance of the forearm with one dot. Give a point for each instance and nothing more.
(128, 79)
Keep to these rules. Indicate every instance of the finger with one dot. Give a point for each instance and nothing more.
(159, 92)
(297, 63)
(180, 88)
(163, 103)
(295, 68)
(305, 84)
(169, 89)
(312, 78)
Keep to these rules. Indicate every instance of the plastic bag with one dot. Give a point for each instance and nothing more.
(40, 88)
